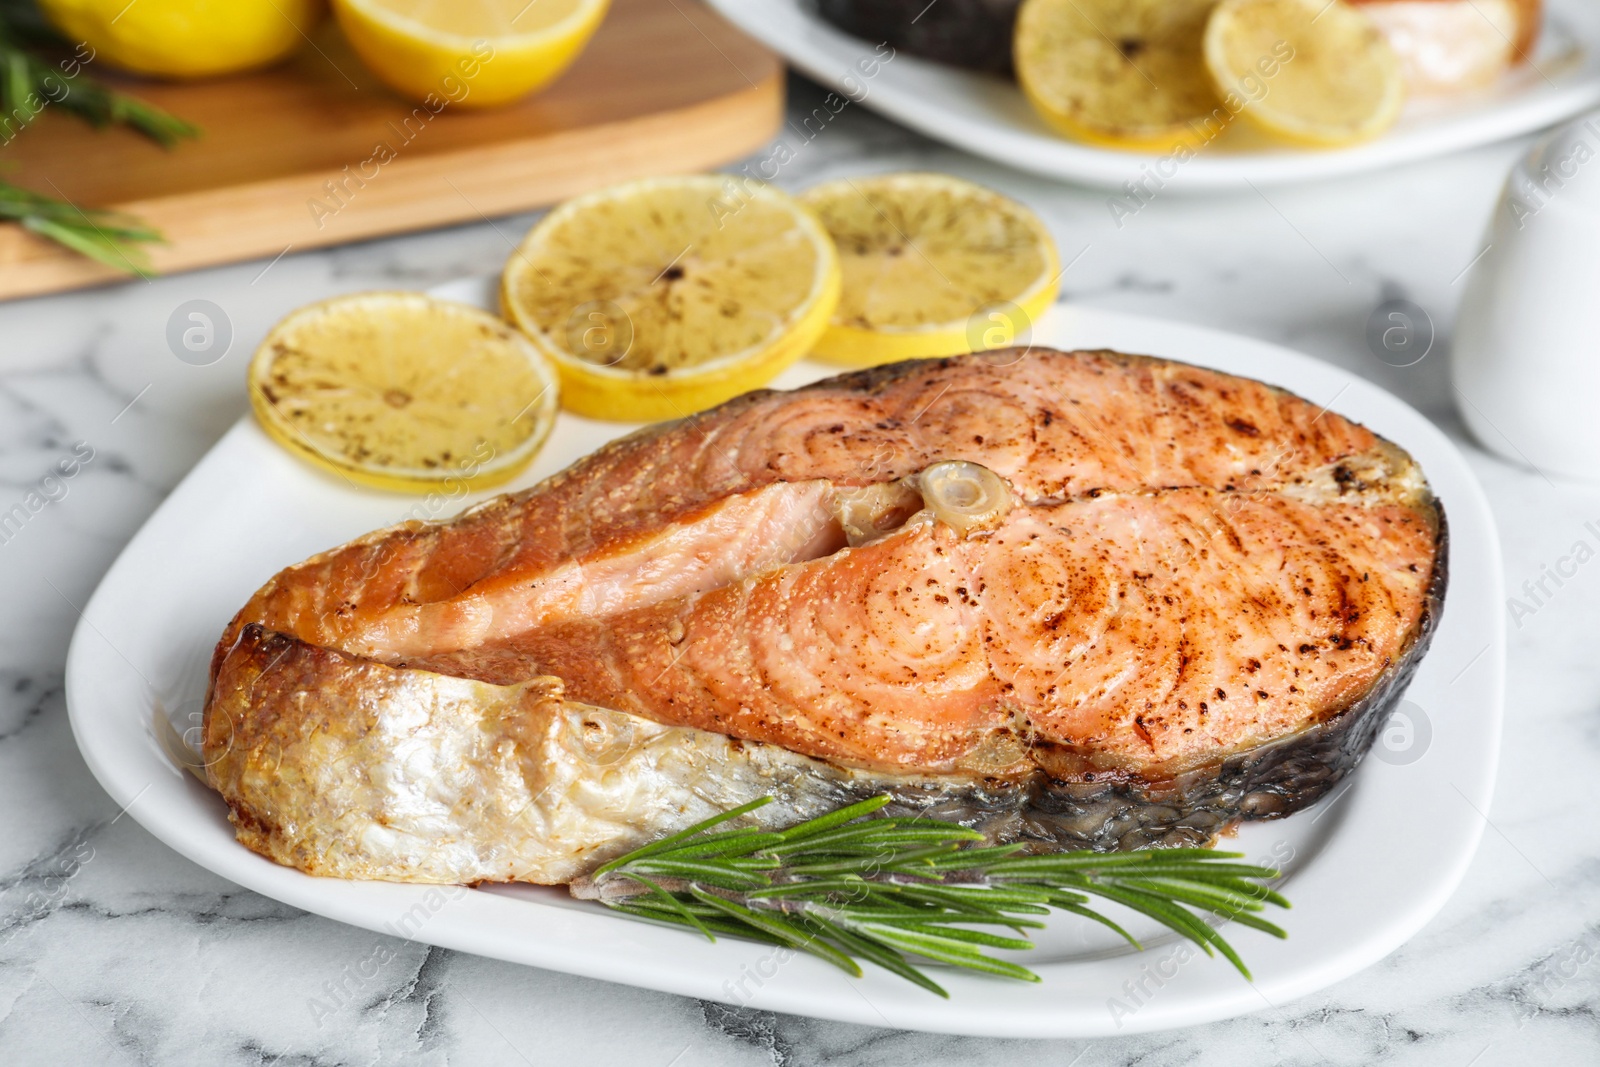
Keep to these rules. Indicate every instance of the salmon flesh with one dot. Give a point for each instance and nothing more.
(1079, 599)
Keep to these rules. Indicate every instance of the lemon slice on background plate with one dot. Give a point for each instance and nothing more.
(403, 391)
(1342, 83)
(1119, 73)
(663, 297)
(470, 53)
(932, 266)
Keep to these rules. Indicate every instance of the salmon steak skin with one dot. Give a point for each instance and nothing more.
(1076, 599)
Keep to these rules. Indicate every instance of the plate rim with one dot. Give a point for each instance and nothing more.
(479, 922)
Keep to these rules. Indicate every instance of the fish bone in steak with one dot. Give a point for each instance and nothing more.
(1081, 599)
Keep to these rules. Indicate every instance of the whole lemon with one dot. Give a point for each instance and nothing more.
(186, 38)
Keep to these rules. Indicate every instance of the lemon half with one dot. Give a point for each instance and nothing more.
(403, 391)
(662, 297)
(932, 266)
(1336, 79)
(468, 53)
(187, 38)
(1120, 73)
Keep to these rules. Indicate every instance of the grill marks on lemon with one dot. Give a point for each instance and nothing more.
(932, 266)
(663, 297)
(1121, 73)
(402, 391)
(1345, 83)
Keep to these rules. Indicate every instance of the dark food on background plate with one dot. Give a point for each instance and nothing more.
(963, 33)
(1074, 599)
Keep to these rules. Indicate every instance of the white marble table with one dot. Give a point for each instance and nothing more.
(114, 950)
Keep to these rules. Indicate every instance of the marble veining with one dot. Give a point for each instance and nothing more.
(115, 950)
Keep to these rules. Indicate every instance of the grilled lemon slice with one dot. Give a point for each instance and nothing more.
(666, 296)
(469, 53)
(1121, 73)
(1337, 79)
(405, 392)
(932, 265)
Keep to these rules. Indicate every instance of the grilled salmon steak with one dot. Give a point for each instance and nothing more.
(1081, 599)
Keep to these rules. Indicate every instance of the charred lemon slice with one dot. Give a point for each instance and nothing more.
(932, 266)
(405, 392)
(664, 297)
(1336, 79)
(1120, 73)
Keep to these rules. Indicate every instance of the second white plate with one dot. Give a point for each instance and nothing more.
(987, 115)
(1365, 870)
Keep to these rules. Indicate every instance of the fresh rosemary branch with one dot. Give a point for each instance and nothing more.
(107, 236)
(848, 886)
(29, 83)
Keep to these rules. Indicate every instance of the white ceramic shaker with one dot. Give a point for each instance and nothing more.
(1526, 357)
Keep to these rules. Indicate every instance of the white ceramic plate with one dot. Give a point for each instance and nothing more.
(987, 115)
(1366, 870)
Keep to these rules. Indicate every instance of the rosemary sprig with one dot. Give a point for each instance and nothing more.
(30, 84)
(107, 236)
(852, 886)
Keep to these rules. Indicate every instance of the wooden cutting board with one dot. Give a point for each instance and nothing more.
(665, 86)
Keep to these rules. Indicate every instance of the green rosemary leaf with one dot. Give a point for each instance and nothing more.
(31, 83)
(682, 835)
(730, 844)
(884, 956)
(1231, 883)
(944, 951)
(779, 925)
(1195, 894)
(721, 925)
(812, 827)
(1177, 918)
(1256, 922)
(1193, 873)
(1030, 867)
(944, 932)
(1090, 913)
(811, 887)
(669, 901)
(1159, 909)
(705, 873)
(886, 837)
(972, 858)
(88, 241)
(996, 896)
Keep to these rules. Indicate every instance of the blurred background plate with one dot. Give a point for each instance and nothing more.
(987, 115)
